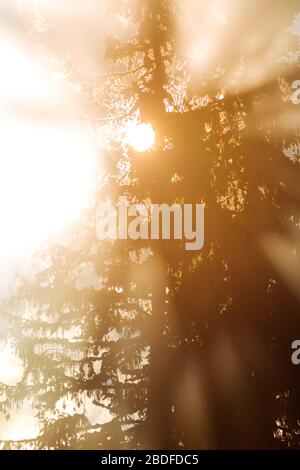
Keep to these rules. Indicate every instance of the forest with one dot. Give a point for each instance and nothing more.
(178, 340)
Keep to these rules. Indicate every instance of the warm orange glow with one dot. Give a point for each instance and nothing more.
(141, 137)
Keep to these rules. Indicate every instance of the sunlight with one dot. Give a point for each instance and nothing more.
(47, 165)
(34, 85)
(46, 177)
(141, 137)
(11, 367)
(21, 425)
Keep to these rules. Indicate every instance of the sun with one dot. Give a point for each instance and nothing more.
(141, 137)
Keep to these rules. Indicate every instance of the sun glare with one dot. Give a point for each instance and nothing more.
(47, 166)
(141, 137)
(22, 424)
(46, 177)
(11, 367)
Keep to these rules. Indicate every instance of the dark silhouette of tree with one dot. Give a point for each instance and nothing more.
(183, 349)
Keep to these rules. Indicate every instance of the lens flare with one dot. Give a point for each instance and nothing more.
(141, 137)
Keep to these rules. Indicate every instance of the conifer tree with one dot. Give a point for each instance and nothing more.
(179, 349)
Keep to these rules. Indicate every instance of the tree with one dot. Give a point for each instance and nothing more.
(181, 349)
